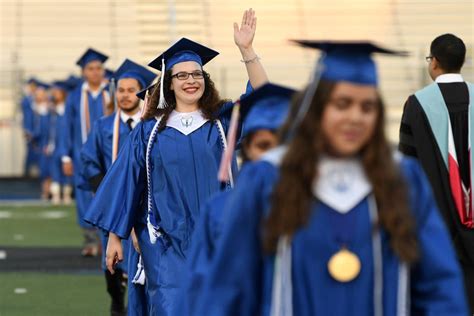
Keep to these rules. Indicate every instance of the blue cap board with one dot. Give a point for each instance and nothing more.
(91, 55)
(130, 69)
(265, 108)
(182, 51)
(142, 93)
(349, 61)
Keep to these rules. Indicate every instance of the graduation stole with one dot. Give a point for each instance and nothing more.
(116, 135)
(434, 106)
(85, 114)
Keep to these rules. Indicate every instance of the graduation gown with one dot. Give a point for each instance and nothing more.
(96, 158)
(183, 176)
(42, 130)
(57, 126)
(28, 123)
(417, 140)
(241, 275)
(205, 237)
(96, 154)
(72, 140)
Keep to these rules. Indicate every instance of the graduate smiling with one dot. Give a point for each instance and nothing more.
(168, 167)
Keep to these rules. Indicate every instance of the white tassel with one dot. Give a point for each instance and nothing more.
(139, 277)
(162, 103)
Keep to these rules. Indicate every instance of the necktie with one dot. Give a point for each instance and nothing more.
(129, 123)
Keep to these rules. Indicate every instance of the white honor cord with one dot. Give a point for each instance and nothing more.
(378, 261)
(82, 113)
(282, 289)
(224, 144)
(153, 231)
(403, 300)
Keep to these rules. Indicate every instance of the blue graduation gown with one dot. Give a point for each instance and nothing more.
(137, 304)
(184, 175)
(96, 156)
(42, 132)
(72, 144)
(32, 154)
(205, 237)
(58, 125)
(241, 275)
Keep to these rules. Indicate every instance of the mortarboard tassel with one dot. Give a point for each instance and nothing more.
(162, 103)
(308, 96)
(225, 168)
(145, 104)
(112, 93)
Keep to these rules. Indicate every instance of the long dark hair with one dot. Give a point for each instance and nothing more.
(292, 196)
(210, 102)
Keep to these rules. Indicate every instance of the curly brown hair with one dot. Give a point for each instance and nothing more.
(210, 102)
(292, 196)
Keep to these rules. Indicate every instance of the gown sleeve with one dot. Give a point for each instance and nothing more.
(93, 167)
(407, 144)
(234, 281)
(436, 281)
(121, 195)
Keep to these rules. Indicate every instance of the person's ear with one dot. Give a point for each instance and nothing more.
(435, 63)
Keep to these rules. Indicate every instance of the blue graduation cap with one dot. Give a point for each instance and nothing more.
(349, 60)
(183, 50)
(142, 93)
(109, 73)
(61, 84)
(42, 85)
(73, 81)
(32, 80)
(130, 69)
(265, 108)
(91, 55)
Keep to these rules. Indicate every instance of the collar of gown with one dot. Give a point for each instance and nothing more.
(186, 123)
(341, 183)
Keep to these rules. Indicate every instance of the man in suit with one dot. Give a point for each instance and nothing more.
(436, 129)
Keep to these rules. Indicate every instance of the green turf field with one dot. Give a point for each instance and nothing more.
(39, 225)
(52, 294)
(47, 293)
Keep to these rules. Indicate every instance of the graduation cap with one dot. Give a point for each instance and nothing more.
(72, 82)
(182, 51)
(130, 69)
(32, 80)
(349, 60)
(265, 108)
(89, 56)
(142, 93)
(108, 73)
(42, 85)
(61, 84)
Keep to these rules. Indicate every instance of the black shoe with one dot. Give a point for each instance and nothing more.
(116, 287)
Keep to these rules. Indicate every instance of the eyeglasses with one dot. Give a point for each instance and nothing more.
(429, 58)
(185, 75)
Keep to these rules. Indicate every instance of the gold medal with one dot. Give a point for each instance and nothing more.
(344, 266)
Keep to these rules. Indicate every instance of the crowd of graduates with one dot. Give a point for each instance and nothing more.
(319, 217)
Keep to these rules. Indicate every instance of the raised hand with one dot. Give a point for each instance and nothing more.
(244, 35)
